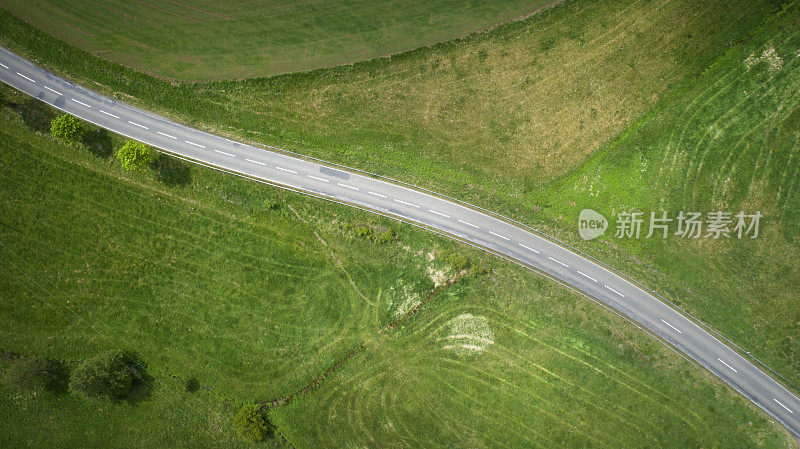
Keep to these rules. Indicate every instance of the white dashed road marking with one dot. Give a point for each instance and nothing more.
(606, 286)
(438, 213)
(53, 91)
(498, 235)
(80, 103)
(286, 170)
(787, 408)
(468, 223)
(723, 362)
(195, 144)
(166, 135)
(318, 178)
(255, 162)
(560, 262)
(26, 77)
(586, 275)
(529, 248)
(406, 203)
(348, 186)
(377, 194)
(222, 152)
(136, 124)
(109, 114)
(673, 327)
(3, 65)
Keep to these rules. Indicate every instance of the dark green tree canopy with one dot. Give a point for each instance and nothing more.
(136, 156)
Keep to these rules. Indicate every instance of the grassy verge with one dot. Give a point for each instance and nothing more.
(246, 38)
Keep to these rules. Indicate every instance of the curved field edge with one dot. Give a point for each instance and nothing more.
(248, 38)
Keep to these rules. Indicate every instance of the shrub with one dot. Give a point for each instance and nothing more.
(363, 231)
(457, 261)
(39, 375)
(386, 236)
(192, 385)
(110, 376)
(478, 270)
(251, 423)
(271, 204)
(135, 156)
(67, 128)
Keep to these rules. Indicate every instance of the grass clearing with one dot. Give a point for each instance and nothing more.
(247, 38)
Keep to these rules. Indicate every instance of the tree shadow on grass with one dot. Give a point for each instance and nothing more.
(35, 114)
(99, 142)
(142, 381)
(172, 171)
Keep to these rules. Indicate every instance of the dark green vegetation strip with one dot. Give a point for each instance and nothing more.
(246, 38)
(205, 276)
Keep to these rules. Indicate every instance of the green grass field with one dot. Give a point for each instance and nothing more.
(703, 118)
(246, 38)
(405, 117)
(558, 374)
(203, 279)
(728, 141)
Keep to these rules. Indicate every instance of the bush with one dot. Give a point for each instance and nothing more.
(110, 376)
(478, 270)
(271, 204)
(386, 236)
(192, 385)
(457, 261)
(39, 375)
(363, 231)
(135, 156)
(67, 128)
(251, 423)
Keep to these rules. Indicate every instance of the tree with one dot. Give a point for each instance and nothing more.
(251, 423)
(110, 376)
(67, 128)
(135, 156)
(39, 375)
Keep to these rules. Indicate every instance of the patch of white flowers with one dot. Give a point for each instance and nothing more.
(468, 334)
(770, 56)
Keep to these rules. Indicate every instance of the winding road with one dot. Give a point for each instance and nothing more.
(448, 217)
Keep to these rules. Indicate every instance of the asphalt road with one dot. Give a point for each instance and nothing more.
(513, 242)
